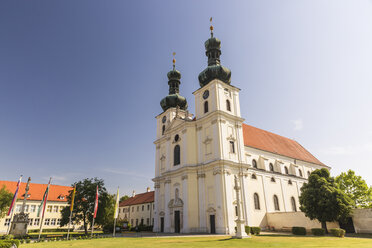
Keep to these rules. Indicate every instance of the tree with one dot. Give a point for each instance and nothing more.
(356, 188)
(84, 204)
(5, 201)
(123, 198)
(321, 199)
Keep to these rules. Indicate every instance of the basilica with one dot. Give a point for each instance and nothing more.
(198, 157)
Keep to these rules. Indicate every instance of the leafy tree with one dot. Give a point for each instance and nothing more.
(5, 200)
(356, 188)
(123, 198)
(321, 199)
(84, 204)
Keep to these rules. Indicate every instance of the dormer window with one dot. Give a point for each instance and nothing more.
(254, 163)
(271, 167)
(61, 197)
(205, 107)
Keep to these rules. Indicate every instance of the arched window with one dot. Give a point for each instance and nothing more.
(286, 170)
(256, 201)
(177, 155)
(300, 172)
(206, 107)
(276, 203)
(163, 130)
(228, 105)
(254, 163)
(293, 201)
(271, 167)
(308, 174)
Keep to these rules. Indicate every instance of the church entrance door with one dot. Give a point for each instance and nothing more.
(161, 224)
(212, 220)
(177, 222)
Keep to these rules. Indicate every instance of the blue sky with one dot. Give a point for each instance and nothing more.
(81, 81)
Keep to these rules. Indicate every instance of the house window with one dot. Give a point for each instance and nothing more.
(132, 209)
(7, 222)
(49, 209)
(254, 163)
(53, 222)
(143, 207)
(256, 201)
(228, 106)
(177, 155)
(55, 209)
(46, 222)
(300, 172)
(205, 107)
(136, 222)
(232, 147)
(59, 222)
(30, 222)
(293, 201)
(163, 130)
(286, 170)
(276, 203)
(141, 222)
(18, 208)
(32, 208)
(148, 207)
(131, 222)
(26, 208)
(137, 208)
(271, 167)
(147, 221)
(37, 222)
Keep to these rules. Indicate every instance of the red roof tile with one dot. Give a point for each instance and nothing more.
(271, 142)
(139, 199)
(36, 191)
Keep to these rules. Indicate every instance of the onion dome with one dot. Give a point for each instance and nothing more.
(174, 99)
(214, 70)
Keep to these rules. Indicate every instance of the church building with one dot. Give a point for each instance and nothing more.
(197, 158)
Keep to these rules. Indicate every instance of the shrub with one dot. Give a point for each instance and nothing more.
(247, 230)
(299, 230)
(28, 240)
(8, 237)
(255, 230)
(318, 231)
(9, 243)
(338, 232)
(5, 244)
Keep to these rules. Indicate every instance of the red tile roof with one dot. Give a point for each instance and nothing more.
(36, 191)
(138, 199)
(271, 142)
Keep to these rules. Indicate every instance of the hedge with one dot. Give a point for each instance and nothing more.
(247, 230)
(299, 230)
(318, 231)
(9, 243)
(338, 232)
(255, 230)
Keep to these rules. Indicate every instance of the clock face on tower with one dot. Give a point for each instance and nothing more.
(206, 94)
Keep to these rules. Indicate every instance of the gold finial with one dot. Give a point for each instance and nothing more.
(174, 60)
(211, 27)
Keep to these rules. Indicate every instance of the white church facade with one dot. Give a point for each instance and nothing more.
(198, 157)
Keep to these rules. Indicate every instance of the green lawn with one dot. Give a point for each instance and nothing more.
(205, 242)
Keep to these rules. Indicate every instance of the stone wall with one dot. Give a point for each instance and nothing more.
(285, 221)
(362, 219)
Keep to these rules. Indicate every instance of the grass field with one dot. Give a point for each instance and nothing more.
(206, 242)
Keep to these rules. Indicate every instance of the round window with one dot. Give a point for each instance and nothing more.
(176, 138)
(206, 94)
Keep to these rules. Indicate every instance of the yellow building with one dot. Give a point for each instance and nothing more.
(139, 209)
(57, 200)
